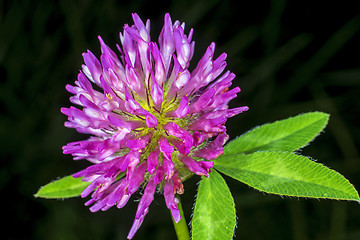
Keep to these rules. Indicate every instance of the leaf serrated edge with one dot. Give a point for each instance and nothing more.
(326, 115)
(39, 193)
(356, 199)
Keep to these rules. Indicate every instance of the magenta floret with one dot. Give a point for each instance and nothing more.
(151, 119)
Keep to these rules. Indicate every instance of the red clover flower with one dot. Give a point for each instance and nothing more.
(151, 120)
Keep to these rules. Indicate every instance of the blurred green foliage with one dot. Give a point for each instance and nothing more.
(289, 57)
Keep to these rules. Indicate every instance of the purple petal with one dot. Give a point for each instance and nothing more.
(93, 65)
(171, 201)
(130, 104)
(198, 138)
(143, 207)
(208, 154)
(157, 94)
(205, 100)
(159, 175)
(182, 110)
(193, 166)
(151, 121)
(138, 143)
(108, 52)
(153, 161)
(182, 78)
(160, 73)
(165, 148)
(133, 80)
(137, 178)
(169, 168)
(225, 97)
(219, 141)
(85, 84)
(166, 41)
(87, 103)
(141, 27)
(134, 183)
(117, 121)
(206, 165)
(182, 47)
(200, 73)
(208, 125)
(131, 157)
(184, 146)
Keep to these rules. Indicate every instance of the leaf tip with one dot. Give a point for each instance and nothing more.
(38, 193)
(324, 115)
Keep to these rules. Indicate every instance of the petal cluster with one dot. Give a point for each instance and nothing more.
(152, 122)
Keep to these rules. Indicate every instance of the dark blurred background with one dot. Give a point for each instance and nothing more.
(289, 57)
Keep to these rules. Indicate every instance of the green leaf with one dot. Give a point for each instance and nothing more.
(288, 174)
(285, 135)
(65, 187)
(214, 214)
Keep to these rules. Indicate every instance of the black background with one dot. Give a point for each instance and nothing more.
(289, 57)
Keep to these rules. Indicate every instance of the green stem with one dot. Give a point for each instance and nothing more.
(181, 228)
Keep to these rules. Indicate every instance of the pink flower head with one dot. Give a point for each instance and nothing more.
(150, 119)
